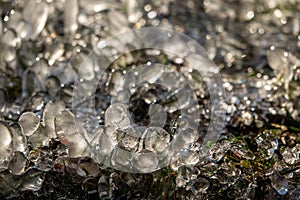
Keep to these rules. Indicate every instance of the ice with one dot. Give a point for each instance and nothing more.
(30, 122)
(70, 132)
(170, 79)
(246, 11)
(280, 61)
(51, 110)
(118, 22)
(267, 143)
(6, 144)
(39, 138)
(156, 139)
(143, 115)
(118, 84)
(70, 17)
(105, 144)
(122, 159)
(157, 115)
(19, 139)
(146, 161)
(217, 151)
(17, 163)
(291, 155)
(133, 12)
(117, 115)
(54, 52)
(188, 157)
(277, 61)
(242, 153)
(148, 73)
(23, 28)
(279, 183)
(36, 14)
(97, 6)
(42, 72)
(8, 43)
(1, 28)
(189, 135)
(130, 140)
(87, 68)
(64, 72)
(31, 22)
(178, 144)
(29, 83)
(9, 39)
(3, 99)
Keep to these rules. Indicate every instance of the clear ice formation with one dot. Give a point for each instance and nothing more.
(51, 57)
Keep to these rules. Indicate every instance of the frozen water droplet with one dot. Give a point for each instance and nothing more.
(29, 122)
(189, 157)
(70, 132)
(19, 139)
(149, 74)
(290, 156)
(133, 11)
(157, 115)
(146, 162)
(118, 22)
(36, 14)
(3, 99)
(117, 115)
(277, 60)
(87, 68)
(30, 83)
(217, 151)
(39, 138)
(121, 159)
(50, 111)
(279, 183)
(9, 38)
(17, 163)
(54, 52)
(267, 143)
(70, 16)
(189, 135)
(97, 6)
(130, 140)
(1, 28)
(156, 139)
(105, 144)
(6, 139)
(23, 29)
